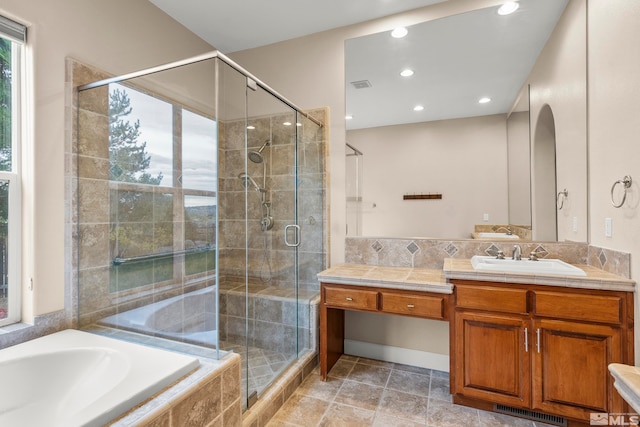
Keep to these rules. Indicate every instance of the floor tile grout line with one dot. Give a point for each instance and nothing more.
(426, 418)
(332, 400)
(378, 412)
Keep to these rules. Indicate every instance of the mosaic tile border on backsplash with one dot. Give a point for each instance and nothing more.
(430, 253)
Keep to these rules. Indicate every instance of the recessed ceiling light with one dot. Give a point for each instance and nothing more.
(348, 117)
(399, 32)
(406, 73)
(484, 100)
(508, 8)
(418, 108)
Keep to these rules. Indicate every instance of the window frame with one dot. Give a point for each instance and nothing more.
(14, 208)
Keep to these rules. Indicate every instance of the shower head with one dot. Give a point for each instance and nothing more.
(246, 180)
(256, 156)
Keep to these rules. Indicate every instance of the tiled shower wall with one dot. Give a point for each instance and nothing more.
(271, 294)
(311, 181)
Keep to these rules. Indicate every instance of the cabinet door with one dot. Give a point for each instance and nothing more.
(570, 376)
(492, 359)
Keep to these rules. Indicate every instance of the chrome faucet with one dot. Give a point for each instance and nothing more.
(507, 230)
(517, 253)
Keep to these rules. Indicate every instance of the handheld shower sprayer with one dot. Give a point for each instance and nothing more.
(266, 222)
(247, 180)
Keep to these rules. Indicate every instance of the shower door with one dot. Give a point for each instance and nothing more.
(272, 237)
(258, 254)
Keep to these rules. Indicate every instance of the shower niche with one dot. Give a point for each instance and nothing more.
(199, 221)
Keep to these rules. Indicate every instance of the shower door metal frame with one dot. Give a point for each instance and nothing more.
(193, 60)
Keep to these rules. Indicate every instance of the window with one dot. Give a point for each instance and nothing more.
(12, 38)
(163, 176)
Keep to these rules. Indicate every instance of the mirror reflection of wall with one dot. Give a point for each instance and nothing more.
(544, 176)
(519, 167)
(459, 147)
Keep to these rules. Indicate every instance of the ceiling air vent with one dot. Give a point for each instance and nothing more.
(361, 84)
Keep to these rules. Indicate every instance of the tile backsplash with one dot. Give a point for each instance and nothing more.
(430, 253)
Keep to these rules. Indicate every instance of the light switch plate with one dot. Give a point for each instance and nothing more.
(485, 217)
(608, 227)
(575, 224)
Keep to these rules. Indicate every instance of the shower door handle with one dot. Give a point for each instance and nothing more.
(295, 244)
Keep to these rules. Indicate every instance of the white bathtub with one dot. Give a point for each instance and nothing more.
(189, 317)
(74, 378)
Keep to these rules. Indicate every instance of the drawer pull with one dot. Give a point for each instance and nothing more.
(349, 299)
(410, 305)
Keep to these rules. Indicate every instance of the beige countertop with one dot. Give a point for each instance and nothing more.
(432, 280)
(627, 382)
(595, 279)
(414, 279)
(476, 235)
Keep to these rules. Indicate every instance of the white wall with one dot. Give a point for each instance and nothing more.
(519, 173)
(614, 125)
(118, 36)
(559, 79)
(465, 160)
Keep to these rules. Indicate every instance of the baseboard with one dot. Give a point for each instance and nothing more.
(406, 356)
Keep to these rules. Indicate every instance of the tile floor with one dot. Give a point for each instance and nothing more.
(366, 392)
(261, 368)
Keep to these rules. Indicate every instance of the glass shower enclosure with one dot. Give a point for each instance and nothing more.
(354, 180)
(200, 214)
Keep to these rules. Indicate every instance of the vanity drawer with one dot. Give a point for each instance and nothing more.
(431, 307)
(350, 297)
(489, 298)
(592, 308)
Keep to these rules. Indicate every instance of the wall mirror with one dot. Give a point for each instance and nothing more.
(436, 161)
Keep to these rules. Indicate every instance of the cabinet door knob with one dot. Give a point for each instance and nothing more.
(410, 305)
(349, 299)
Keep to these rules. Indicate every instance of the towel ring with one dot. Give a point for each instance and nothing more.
(626, 183)
(560, 201)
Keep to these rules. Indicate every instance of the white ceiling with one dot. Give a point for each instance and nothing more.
(456, 59)
(232, 25)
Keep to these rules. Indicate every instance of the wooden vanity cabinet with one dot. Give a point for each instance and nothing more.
(569, 371)
(490, 355)
(545, 350)
(336, 298)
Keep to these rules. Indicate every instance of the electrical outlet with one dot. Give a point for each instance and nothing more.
(608, 227)
(485, 217)
(575, 224)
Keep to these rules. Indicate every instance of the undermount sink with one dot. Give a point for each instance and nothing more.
(483, 235)
(543, 266)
